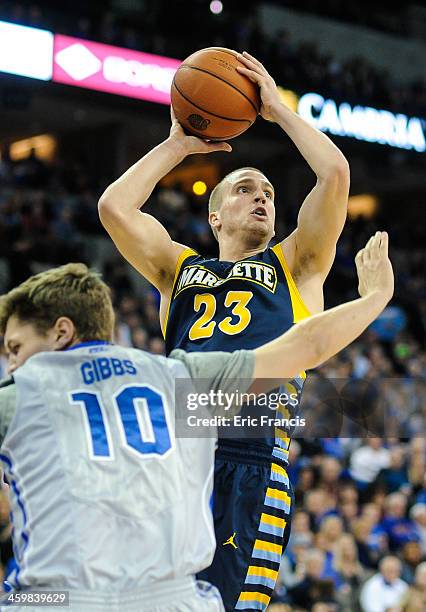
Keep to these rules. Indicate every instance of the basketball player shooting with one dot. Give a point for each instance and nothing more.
(248, 296)
(119, 519)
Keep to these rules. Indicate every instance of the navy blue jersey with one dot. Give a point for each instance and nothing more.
(221, 305)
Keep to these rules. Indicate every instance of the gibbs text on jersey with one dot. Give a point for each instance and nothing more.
(220, 305)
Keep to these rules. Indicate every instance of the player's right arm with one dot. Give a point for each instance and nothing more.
(314, 340)
(139, 237)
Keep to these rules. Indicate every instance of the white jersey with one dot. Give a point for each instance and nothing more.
(105, 496)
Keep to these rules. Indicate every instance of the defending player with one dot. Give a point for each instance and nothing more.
(249, 296)
(108, 503)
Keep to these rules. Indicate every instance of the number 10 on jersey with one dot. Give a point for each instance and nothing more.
(147, 436)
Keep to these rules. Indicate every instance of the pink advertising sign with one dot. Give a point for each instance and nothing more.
(113, 69)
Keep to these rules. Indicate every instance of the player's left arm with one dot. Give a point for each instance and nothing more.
(323, 213)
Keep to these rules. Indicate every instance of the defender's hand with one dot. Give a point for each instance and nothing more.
(257, 73)
(374, 268)
(188, 145)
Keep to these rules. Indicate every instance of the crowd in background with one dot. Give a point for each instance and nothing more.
(176, 29)
(396, 21)
(359, 533)
(358, 538)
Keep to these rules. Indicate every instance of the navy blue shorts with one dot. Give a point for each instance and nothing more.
(252, 516)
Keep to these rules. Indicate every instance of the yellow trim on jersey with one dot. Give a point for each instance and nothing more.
(254, 570)
(300, 310)
(268, 546)
(184, 255)
(254, 596)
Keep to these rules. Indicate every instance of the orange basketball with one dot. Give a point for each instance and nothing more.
(210, 98)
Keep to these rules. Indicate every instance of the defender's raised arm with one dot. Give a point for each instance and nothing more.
(316, 339)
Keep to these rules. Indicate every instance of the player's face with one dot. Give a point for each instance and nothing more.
(22, 339)
(249, 205)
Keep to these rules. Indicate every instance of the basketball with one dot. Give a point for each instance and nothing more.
(210, 98)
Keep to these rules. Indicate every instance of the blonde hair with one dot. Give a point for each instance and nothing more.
(71, 291)
(339, 560)
(216, 196)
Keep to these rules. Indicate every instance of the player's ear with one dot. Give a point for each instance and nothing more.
(214, 219)
(64, 333)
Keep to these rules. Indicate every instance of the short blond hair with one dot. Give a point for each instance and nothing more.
(71, 291)
(216, 196)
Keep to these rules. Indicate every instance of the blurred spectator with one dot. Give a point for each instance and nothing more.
(348, 573)
(367, 461)
(348, 500)
(411, 557)
(311, 587)
(417, 462)
(324, 606)
(369, 549)
(301, 540)
(140, 338)
(6, 166)
(300, 528)
(418, 516)
(330, 470)
(316, 504)
(395, 476)
(31, 171)
(383, 590)
(330, 532)
(306, 481)
(395, 525)
(414, 599)
(156, 346)
(291, 570)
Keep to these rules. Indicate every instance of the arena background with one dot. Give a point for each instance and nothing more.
(342, 65)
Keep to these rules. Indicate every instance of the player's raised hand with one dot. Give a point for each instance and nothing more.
(192, 144)
(257, 73)
(374, 268)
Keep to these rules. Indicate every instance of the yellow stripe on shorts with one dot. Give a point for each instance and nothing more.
(278, 469)
(262, 571)
(254, 596)
(277, 494)
(269, 546)
(270, 519)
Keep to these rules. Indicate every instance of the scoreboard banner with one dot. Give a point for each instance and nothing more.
(26, 51)
(113, 69)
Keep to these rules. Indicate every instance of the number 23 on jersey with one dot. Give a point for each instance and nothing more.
(235, 301)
